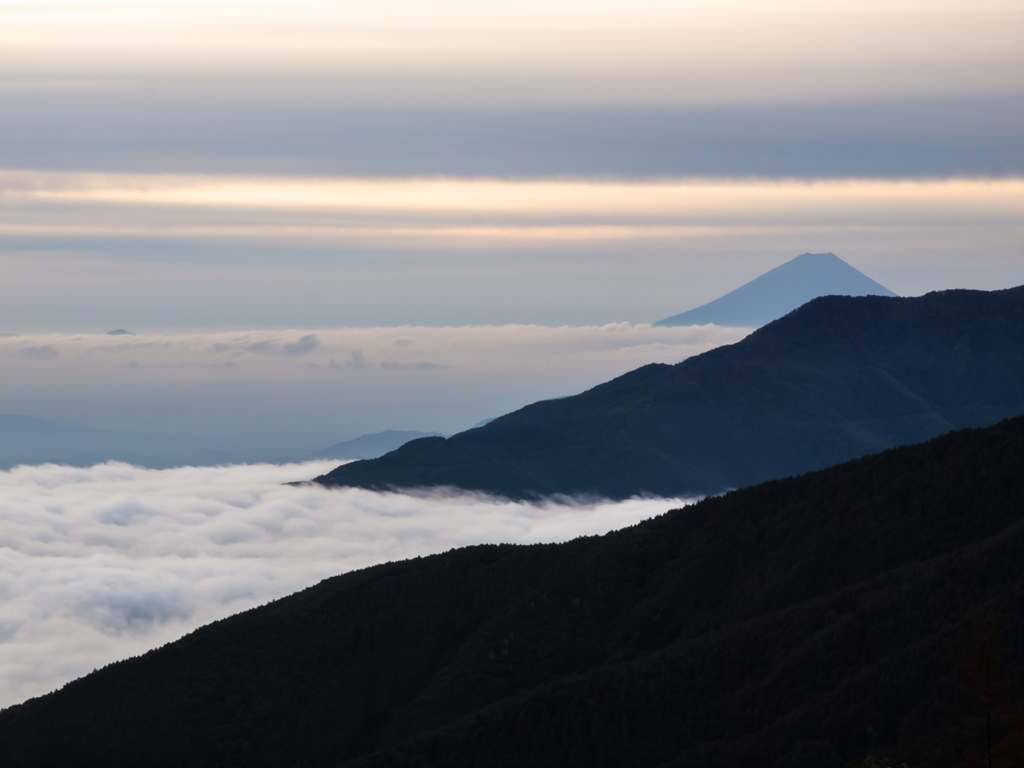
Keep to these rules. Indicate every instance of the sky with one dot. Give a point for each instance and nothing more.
(241, 167)
(238, 166)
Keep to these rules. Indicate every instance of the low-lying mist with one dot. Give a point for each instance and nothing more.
(107, 562)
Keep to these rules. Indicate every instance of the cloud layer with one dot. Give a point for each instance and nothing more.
(326, 384)
(103, 563)
(154, 251)
(466, 54)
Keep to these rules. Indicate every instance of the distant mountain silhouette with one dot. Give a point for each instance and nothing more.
(120, 332)
(782, 290)
(370, 446)
(838, 378)
(810, 621)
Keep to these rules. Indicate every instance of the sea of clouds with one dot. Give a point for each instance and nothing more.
(103, 563)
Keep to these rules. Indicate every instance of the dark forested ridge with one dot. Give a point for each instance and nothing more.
(838, 378)
(807, 621)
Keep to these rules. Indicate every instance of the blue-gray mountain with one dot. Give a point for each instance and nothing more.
(780, 291)
(370, 446)
(838, 378)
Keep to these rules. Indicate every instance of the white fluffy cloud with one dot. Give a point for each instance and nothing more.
(103, 563)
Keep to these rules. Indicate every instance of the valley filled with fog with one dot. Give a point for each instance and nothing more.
(99, 564)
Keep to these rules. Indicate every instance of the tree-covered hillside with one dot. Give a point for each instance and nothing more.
(838, 378)
(808, 621)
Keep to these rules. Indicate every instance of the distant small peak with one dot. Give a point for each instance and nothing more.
(828, 255)
(120, 332)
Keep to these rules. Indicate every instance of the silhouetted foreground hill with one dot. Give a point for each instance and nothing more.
(801, 622)
(838, 378)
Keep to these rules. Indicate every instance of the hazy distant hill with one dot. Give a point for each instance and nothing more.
(370, 446)
(782, 290)
(838, 378)
(30, 440)
(803, 622)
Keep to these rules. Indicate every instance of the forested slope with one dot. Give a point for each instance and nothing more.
(838, 378)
